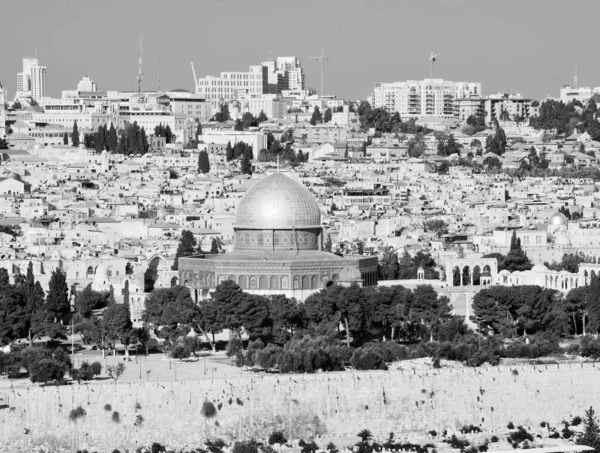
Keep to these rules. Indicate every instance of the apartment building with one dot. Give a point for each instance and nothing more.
(418, 98)
(230, 85)
(581, 94)
(32, 80)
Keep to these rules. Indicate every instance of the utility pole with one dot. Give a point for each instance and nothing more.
(158, 74)
(321, 59)
(575, 77)
(432, 59)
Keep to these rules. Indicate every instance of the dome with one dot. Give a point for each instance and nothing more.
(101, 271)
(557, 219)
(278, 202)
(562, 239)
(539, 268)
(349, 274)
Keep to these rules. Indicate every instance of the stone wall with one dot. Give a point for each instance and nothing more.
(331, 404)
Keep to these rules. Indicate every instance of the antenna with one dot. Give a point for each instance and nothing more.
(140, 76)
(321, 59)
(432, 59)
(575, 77)
(195, 78)
(158, 74)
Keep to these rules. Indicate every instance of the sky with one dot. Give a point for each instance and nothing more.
(519, 46)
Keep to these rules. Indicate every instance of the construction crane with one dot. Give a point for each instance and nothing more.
(140, 76)
(321, 59)
(195, 78)
(432, 59)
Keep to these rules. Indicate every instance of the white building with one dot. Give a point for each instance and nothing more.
(273, 106)
(582, 94)
(292, 72)
(258, 140)
(418, 98)
(87, 84)
(32, 80)
(230, 85)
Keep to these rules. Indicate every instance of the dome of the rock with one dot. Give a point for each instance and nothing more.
(557, 219)
(278, 202)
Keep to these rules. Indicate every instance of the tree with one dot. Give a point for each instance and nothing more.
(246, 162)
(248, 121)
(65, 139)
(88, 300)
(262, 116)
(115, 371)
(223, 114)
(198, 130)
(238, 125)
(75, 135)
(229, 152)
(203, 162)
(360, 248)
(57, 299)
(416, 146)
(328, 244)
(113, 140)
(214, 247)
(591, 430)
(593, 304)
(316, 116)
(327, 115)
(437, 226)
(100, 140)
(116, 321)
(516, 259)
(388, 267)
(186, 247)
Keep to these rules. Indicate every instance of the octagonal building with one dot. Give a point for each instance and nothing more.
(278, 247)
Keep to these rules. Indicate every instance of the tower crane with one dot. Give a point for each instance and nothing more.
(140, 76)
(432, 59)
(195, 78)
(321, 59)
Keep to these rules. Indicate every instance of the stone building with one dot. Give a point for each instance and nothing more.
(278, 247)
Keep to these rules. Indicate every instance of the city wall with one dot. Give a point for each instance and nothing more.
(323, 404)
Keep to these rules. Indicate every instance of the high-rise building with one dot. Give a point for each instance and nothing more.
(292, 72)
(418, 98)
(87, 84)
(32, 80)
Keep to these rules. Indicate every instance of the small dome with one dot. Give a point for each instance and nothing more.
(349, 274)
(101, 271)
(486, 274)
(562, 239)
(539, 268)
(558, 219)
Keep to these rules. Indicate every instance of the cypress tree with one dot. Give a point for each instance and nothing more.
(214, 247)
(168, 134)
(57, 300)
(593, 304)
(203, 162)
(246, 164)
(65, 139)
(198, 130)
(229, 152)
(113, 140)
(328, 243)
(75, 135)
(100, 140)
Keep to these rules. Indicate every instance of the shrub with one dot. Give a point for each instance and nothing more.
(157, 448)
(180, 352)
(107, 407)
(46, 370)
(247, 446)
(494, 439)
(277, 437)
(455, 442)
(96, 368)
(77, 413)
(470, 429)
(116, 418)
(520, 435)
(234, 346)
(365, 435)
(589, 347)
(139, 420)
(215, 446)
(367, 359)
(208, 409)
(115, 371)
(308, 447)
(576, 421)
(510, 425)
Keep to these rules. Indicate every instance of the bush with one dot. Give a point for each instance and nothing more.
(470, 429)
(77, 413)
(520, 435)
(180, 352)
(367, 359)
(247, 446)
(576, 421)
(590, 347)
(116, 418)
(234, 346)
(277, 437)
(365, 435)
(107, 407)
(208, 409)
(46, 370)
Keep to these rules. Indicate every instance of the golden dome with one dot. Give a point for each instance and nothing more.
(277, 202)
(557, 219)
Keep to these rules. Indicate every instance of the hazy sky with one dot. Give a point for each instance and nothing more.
(526, 46)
